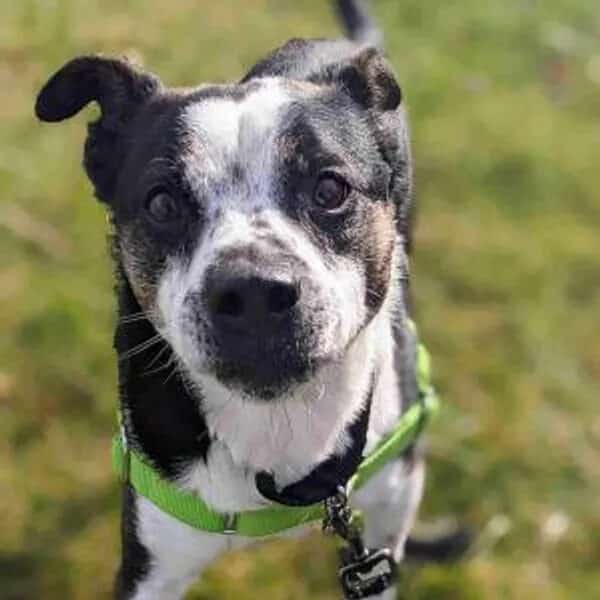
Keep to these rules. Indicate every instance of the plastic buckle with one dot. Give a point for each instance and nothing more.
(370, 575)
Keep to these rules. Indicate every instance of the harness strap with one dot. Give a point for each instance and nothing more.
(192, 510)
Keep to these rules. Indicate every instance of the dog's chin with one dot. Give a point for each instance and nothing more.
(266, 379)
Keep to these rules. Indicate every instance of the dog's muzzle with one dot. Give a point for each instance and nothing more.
(256, 317)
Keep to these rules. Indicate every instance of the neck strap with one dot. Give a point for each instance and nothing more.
(190, 509)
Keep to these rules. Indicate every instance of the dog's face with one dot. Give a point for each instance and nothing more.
(254, 222)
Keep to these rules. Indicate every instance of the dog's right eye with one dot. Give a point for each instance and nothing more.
(162, 207)
(330, 192)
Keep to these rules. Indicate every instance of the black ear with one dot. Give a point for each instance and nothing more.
(119, 88)
(115, 84)
(369, 79)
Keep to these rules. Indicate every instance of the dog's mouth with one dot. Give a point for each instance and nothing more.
(264, 368)
(258, 337)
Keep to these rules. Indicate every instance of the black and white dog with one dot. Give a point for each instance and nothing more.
(261, 234)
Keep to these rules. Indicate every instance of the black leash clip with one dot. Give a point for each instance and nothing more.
(363, 572)
(369, 576)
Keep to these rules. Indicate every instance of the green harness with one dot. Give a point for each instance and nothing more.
(190, 509)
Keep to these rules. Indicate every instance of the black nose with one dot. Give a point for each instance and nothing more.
(250, 304)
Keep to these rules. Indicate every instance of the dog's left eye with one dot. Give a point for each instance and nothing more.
(330, 192)
(162, 207)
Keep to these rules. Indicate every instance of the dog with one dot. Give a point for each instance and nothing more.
(261, 237)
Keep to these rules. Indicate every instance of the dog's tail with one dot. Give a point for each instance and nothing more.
(445, 548)
(360, 26)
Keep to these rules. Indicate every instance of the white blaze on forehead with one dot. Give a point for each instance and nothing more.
(226, 131)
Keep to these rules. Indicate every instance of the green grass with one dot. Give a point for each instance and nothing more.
(506, 127)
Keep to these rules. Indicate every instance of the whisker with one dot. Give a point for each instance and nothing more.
(168, 364)
(139, 316)
(158, 355)
(140, 347)
(173, 372)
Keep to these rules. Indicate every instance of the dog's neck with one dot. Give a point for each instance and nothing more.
(214, 441)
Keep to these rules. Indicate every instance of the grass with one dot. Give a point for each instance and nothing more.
(506, 122)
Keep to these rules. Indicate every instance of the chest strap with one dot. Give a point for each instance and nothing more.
(190, 509)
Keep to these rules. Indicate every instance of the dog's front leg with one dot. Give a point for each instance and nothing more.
(390, 502)
(161, 556)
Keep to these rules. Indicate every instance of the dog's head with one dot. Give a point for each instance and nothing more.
(257, 223)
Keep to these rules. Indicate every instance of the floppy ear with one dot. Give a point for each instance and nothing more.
(368, 78)
(370, 81)
(119, 88)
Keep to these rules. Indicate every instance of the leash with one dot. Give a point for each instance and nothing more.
(363, 571)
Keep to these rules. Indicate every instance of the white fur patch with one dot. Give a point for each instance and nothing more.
(179, 552)
(287, 437)
(224, 131)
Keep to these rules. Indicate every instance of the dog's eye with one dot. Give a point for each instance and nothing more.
(162, 207)
(330, 192)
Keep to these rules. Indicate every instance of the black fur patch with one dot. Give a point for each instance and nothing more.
(163, 419)
(329, 133)
(135, 558)
(364, 76)
(120, 89)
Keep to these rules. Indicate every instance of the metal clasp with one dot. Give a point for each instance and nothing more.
(230, 524)
(363, 571)
(372, 574)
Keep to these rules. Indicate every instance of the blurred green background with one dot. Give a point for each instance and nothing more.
(505, 105)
